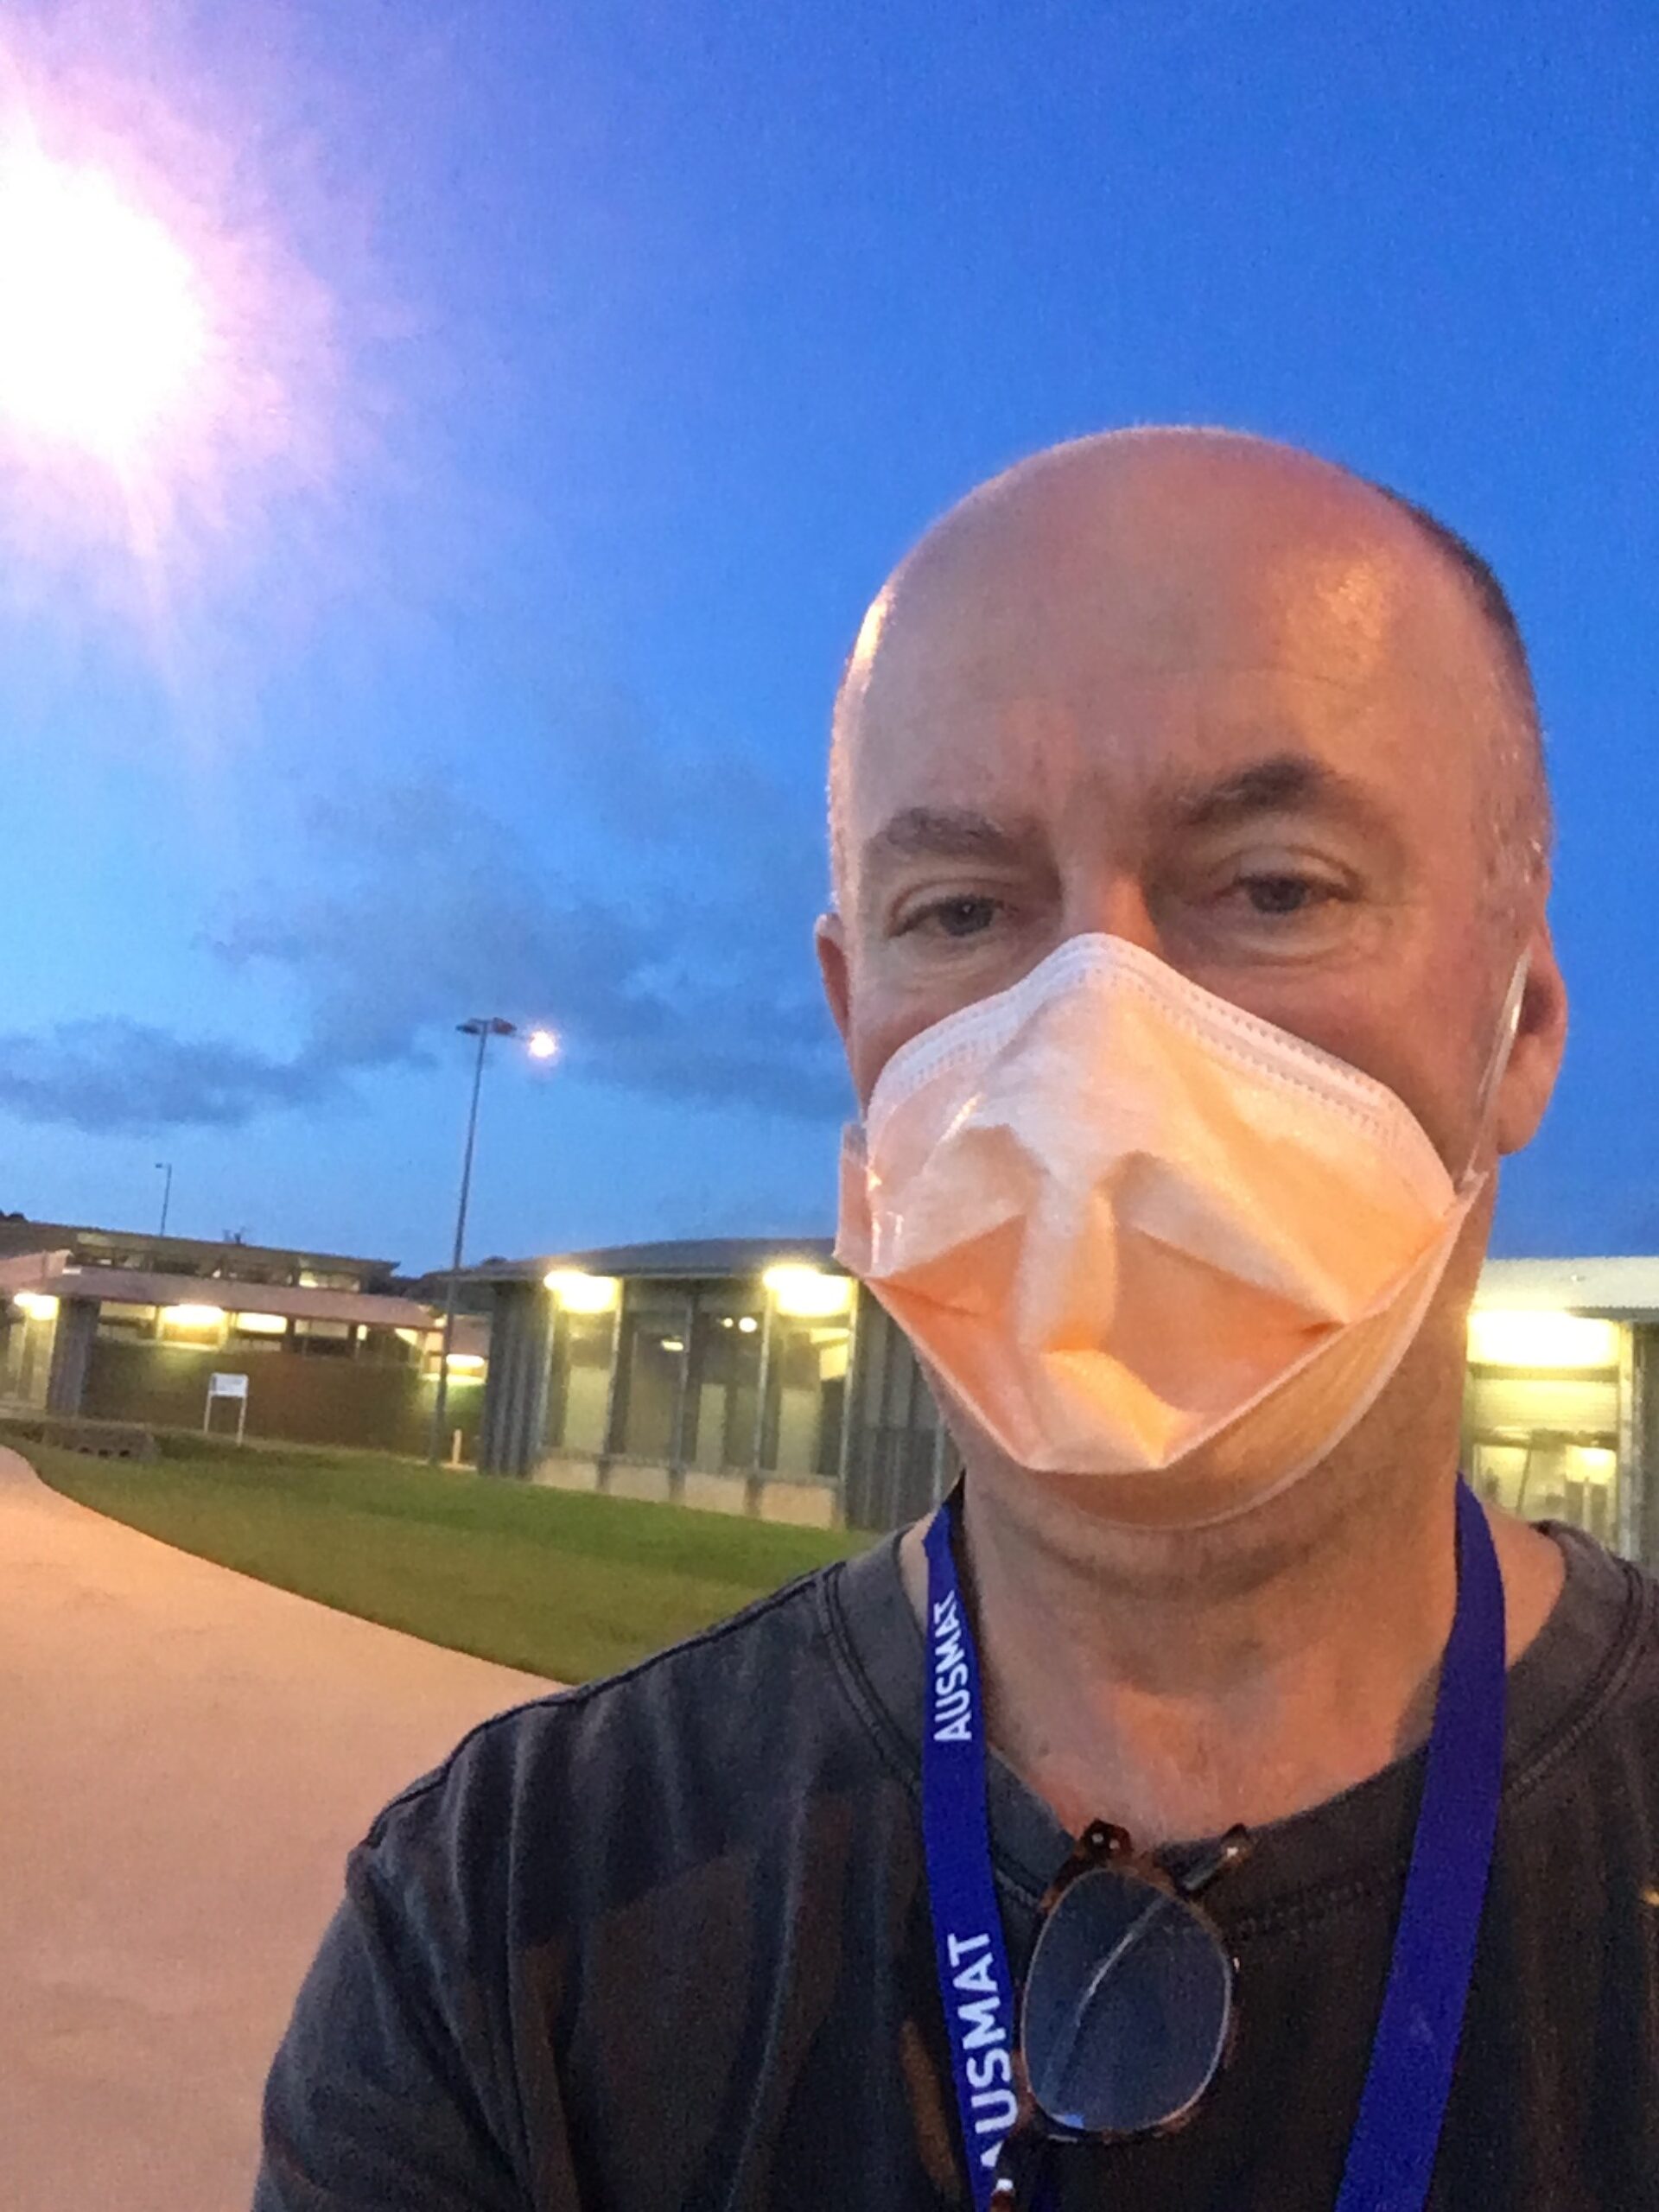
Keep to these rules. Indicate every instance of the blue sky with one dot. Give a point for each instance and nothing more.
(622, 351)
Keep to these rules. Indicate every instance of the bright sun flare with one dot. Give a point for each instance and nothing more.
(102, 329)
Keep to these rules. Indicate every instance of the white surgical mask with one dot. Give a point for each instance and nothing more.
(1141, 1235)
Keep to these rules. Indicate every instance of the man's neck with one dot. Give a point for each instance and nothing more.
(1177, 1683)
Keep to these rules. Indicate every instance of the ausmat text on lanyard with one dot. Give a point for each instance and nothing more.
(1391, 2154)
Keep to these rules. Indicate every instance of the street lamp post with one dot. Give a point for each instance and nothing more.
(165, 1168)
(484, 1027)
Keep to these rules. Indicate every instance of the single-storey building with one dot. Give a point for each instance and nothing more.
(748, 1374)
(753, 1375)
(111, 1326)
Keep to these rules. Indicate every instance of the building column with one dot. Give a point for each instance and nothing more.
(1640, 1468)
(513, 1419)
(72, 1351)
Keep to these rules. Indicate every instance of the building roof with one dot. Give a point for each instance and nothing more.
(1622, 1287)
(19, 1234)
(686, 1259)
(1619, 1287)
(55, 1274)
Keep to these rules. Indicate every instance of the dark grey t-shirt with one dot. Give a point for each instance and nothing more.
(662, 1944)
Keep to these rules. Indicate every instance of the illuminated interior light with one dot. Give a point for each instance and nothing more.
(37, 1304)
(807, 1293)
(747, 1324)
(263, 1325)
(578, 1292)
(1523, 1340)
(465, 1362)
(1591, 1462)
(193, 1317)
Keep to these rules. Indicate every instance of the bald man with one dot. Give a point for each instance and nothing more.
(1212, 1806)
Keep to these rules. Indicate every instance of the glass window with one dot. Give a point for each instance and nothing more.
(1547, 1477)
(581, 1395)
(806, 1390)
(322, 1339)
(1541, 1439)
(653, 1365)
(725, 1384)
(192, 1325)
(118, 1318)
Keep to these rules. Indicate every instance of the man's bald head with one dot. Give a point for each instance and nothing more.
(1295, 558)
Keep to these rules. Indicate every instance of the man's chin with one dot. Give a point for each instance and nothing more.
(1197, 1494)
(1236, 1473)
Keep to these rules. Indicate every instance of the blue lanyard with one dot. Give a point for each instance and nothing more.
(1391, 2154)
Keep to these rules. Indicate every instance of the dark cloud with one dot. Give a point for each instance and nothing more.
(683, 971)
(120, 1077)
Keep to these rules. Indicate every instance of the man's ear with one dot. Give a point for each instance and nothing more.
(1536, 1057)
(829, 938)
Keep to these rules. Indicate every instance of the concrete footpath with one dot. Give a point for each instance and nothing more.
(185, 1757)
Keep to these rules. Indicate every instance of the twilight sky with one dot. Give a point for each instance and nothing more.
(584, 370)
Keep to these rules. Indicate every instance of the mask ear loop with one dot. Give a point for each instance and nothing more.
(1509, 1024)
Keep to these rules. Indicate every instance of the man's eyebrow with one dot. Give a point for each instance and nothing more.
(947, 833)
(1284, 783)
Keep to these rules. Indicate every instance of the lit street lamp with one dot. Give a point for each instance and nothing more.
(483, 1027)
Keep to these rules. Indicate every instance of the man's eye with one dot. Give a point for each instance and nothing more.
(957, 917)
(1284, 894)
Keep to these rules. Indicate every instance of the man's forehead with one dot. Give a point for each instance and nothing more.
(1275, 784)
(1055, 615)
(1182, 745)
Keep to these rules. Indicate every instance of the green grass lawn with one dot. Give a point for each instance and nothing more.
(565, 1585)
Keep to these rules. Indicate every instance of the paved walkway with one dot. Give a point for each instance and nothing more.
(185, 1757)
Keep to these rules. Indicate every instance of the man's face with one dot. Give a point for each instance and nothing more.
(1221, 700)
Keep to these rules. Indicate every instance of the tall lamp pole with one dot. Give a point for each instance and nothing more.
(165, 1168)
(484, 1027)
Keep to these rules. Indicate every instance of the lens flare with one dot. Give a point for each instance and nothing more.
(103, 327)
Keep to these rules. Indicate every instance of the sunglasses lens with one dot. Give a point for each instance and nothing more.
(1126, 2004)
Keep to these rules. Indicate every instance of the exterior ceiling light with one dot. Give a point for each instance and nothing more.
(1549, 1340)
(578, 1292)
(807, 1293)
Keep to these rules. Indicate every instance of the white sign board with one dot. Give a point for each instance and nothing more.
(227, 1386)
